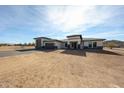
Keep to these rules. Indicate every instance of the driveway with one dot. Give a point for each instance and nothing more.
(14, 52)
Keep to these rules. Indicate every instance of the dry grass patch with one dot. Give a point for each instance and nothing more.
(11, 48)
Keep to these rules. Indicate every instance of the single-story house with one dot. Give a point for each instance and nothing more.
(72, 42)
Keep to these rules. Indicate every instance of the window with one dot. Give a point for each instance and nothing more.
(66, 44)
(94, 44)
(90, 44)
(78, 46)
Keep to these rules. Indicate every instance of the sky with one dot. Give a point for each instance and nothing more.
(20, 24)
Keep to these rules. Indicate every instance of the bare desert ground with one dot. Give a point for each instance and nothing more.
(64, 68)
(11, 48)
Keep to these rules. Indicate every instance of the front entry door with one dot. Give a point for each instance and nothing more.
(94, 44)
(73, 45)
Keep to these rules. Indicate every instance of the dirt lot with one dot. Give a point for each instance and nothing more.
(64, 68)
(11, 48)
(6, 51)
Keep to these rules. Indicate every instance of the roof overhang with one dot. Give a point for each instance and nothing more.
(94, 39)
(42, 38)
(74, 36)
(54, 41)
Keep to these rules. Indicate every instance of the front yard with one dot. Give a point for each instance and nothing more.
(63, 68)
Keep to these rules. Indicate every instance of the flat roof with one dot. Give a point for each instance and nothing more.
(84, 39)
(42, 37)
(93, 39)
(52, 40)
(74, 35)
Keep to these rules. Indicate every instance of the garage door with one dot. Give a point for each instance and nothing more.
(49, 45)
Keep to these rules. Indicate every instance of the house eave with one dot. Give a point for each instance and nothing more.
(94, 40)
(42, 38)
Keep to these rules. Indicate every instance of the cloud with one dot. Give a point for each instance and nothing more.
(70, 18)
(64, 19)
(107, 34)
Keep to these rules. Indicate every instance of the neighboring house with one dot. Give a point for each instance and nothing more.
(72, 42)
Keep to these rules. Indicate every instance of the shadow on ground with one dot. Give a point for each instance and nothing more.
(48, 50)
(75, 52)
(33, 49)
(23, 50)
(85, 51)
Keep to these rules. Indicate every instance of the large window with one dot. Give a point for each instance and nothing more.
(90, 44)
(94, 44)
(38, 43)
(66, 44)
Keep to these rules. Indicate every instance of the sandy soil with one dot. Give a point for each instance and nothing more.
(11, 48)
(64, 68)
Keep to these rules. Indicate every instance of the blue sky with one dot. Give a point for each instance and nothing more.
(20, 24)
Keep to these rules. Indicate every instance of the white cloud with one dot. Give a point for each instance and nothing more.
(107, 34)
(70, 18)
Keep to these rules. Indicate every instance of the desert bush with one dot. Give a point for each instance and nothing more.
(111, 45)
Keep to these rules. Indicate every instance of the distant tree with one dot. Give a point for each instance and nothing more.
(3, 44)
(111, 45)
(30, 44)
(25, 44)
(33, 44)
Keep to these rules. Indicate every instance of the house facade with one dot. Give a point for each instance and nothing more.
(72, 42)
